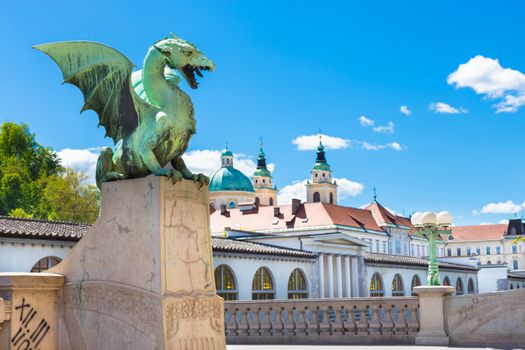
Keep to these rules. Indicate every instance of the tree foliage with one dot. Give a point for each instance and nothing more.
(34, 184)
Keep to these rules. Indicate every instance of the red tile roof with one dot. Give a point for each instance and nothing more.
(308, 215)
(385, 217)
(478, 232)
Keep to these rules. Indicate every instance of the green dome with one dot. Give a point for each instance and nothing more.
(230, 179)
(226, 153)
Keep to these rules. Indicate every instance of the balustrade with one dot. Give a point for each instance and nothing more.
(323, 321)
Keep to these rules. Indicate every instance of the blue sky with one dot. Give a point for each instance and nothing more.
(286, 70)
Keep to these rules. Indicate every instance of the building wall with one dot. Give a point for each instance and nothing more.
(387, 274)
(506, 251)
(218, 198)
(245, 266)
(20, 255)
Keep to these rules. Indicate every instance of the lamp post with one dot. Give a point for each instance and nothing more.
(430, 225)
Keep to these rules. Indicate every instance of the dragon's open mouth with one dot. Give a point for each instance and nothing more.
(189, 72)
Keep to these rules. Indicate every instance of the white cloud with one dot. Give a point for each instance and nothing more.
(404, 109)
(83, 160)
(503, 221)
(386, 129)
(487, 77)
(208, 161)
(507, 207)
(310, 142)
(346, 188)
(296, 190)
(442, 107)
(364, 121)
(377, 147)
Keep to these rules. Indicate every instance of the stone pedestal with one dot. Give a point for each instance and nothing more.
(431, 315)
(31, 314)
(142, 277)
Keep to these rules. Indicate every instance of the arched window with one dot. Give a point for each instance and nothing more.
(45, 263)
(515, 264)
(331, 198)
(397, 286)
(470, 286)
(511, 286)
(271, 201)
(459, 287)
(317, 197)
(446, 281)
(262, 285)
(416, 282)
(489, 262)
(257, 201)
(376, 286)
(297, 285)
(225, 283)
(231, 205)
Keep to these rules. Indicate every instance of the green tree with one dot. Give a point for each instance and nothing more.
(34, 184)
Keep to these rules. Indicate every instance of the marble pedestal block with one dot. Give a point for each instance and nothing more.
(142, 277)
(431, 315)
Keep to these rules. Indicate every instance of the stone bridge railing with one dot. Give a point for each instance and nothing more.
(323, 321)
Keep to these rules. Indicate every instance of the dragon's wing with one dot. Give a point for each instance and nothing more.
(103, 75)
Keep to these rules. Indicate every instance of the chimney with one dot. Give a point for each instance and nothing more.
(223, 209)
(296, 203)
(276, 211)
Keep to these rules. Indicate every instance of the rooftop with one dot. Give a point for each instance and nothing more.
(412, 261)
(42, 229)
(478, 232)
(246, 247)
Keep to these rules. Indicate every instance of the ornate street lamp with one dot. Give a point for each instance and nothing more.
(430, 225)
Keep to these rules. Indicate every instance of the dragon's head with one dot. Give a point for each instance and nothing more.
(184, 57)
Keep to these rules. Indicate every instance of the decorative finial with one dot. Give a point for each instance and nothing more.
(375, 194)
(260, 142)
(226, 144)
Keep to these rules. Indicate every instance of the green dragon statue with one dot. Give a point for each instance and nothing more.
(148, 116)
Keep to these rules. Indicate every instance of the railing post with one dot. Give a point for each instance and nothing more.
(278, 325)
(324, 326)
(387, 326)
(266, 325)
(432, 317)
(244, 324)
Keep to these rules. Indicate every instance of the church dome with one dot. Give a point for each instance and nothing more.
(228, 178)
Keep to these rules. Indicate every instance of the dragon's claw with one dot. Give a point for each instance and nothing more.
(202, 179)
(173, 174)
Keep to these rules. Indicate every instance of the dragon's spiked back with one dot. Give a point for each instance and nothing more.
(103, 75)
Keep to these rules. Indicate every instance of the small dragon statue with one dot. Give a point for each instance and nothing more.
(148, 116)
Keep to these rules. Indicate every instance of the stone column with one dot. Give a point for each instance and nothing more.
(431, 315)
(330, 265)
(348, 291)
(355, 277)
(142, 277)
(33, 309)
(321, 275)
(338, 276)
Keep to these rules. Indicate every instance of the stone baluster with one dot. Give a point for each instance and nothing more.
(289, 326)
(362, 324)
(337, 324)
(278, 323)
(313, 325)
(231, 322)
(243, 324)
(350, 324)
(412, 322)
(399, 322)
(374, 325)
(266, 324)
(387, 326)
(300, 324)
(253, 322)
(324, 326)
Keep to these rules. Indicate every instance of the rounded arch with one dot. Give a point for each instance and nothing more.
(416, 282)
(459, 287)
(231, 205)
(226, 282)
(446, 281)
(470, 286)
(511, 286)
(263, 286)
(257, 201)
(271, 201)
(398, 287)
(331, 198)
(376, 286)
(297, 285)
(45, 263)
(317, 197)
